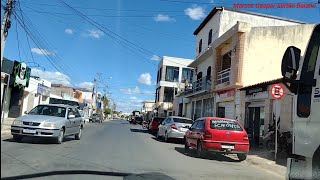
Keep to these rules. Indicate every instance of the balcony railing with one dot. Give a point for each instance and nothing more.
(199, 85)
(224, 76)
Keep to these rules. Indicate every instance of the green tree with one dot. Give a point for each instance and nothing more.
(107, 111)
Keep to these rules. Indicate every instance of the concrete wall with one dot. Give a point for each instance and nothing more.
(203, 66)
(224, 20)
(264, 49)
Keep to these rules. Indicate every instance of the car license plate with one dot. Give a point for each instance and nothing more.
(29, 131)
(227, 147)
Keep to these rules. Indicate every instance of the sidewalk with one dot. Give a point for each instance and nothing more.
(6, 128)
(264, 159)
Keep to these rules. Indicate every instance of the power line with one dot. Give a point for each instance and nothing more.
(65, 68)
(18, 41)
(113, 35)
(37, 42)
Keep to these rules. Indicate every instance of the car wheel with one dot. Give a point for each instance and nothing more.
(200, 151)
(59, 139)
(166, 138)
(186, 146)
(17, 138)
(242, 156)
(78, 135)
(158, 136)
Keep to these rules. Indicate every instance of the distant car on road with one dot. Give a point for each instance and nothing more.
(219, 135)
(49, 121)
(154, 124)
(96, 117)
(174, 127)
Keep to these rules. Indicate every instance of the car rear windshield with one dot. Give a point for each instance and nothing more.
(225, 125)
(182, 120)
(158, 119)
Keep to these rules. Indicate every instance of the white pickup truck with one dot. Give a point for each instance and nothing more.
(302, 77)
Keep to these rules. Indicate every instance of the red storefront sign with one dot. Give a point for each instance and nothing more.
(226, 94)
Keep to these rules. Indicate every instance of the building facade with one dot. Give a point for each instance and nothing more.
(236, 49)
(172, 75)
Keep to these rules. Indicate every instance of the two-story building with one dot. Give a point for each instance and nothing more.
(236, 49)
(172, 75)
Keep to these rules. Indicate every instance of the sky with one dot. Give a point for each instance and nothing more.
(121, 39)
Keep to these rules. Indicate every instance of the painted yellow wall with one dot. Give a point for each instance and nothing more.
(264, 49)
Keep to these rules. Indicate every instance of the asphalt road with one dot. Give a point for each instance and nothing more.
(117, 146)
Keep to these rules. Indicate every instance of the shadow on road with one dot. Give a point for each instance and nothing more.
(269, 155)
(140, 130)
(37, 140)
(173, 141)
(209, 156)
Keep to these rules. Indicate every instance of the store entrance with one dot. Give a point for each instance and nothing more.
(256, 125)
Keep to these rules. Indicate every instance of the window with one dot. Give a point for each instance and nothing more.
(182, 120)
(194, 125)
(200, 125)
(168, 94)
(226, 61)
(172, 73)
(160, 74)
(186, 74)
(307, 75)
(225, 125)
(76, 112)
(208, 107)
(49, 111)
(168, 120)
(200, 45)
(210, 37)
(209, 71)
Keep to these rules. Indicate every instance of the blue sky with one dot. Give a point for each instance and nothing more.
(80, 50)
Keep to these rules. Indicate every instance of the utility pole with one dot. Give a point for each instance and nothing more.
(6, 24)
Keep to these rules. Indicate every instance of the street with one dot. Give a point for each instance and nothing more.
(118, 146)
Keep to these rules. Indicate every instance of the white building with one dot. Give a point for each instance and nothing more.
(172, 75)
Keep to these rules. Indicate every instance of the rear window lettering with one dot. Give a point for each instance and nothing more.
(225, 125)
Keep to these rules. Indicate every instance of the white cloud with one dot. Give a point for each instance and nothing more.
(136, 90)
(94, 33)
(53, 77)
(155, 58)
(68, 31)
(195, 12)
(145, 79)
(86, 85)
(163, 18)
(41, 51)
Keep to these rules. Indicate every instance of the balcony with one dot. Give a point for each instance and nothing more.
(166, 105)
(199, 86)
(223, 76)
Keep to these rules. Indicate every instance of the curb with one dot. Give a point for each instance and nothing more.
(266, 165)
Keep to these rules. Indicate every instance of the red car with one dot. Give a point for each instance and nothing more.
(154, 124)
(219, 135)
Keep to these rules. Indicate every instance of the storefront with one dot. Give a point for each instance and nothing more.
(13, 92)
(37, 93)
(226, 104)
(260, 110)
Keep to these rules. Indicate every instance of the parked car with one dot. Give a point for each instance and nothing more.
(48, 121)
(96, 117)
(154, 124)
(173, 127)
(219, 135)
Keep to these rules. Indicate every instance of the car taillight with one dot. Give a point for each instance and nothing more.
(246, 138)
(173, 126)
(207, 135)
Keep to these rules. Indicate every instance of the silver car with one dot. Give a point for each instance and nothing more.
(49, 121)
(174, 127)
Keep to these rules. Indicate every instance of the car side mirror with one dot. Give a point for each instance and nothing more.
(71, 116)
(26, 112)
(290, 66)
